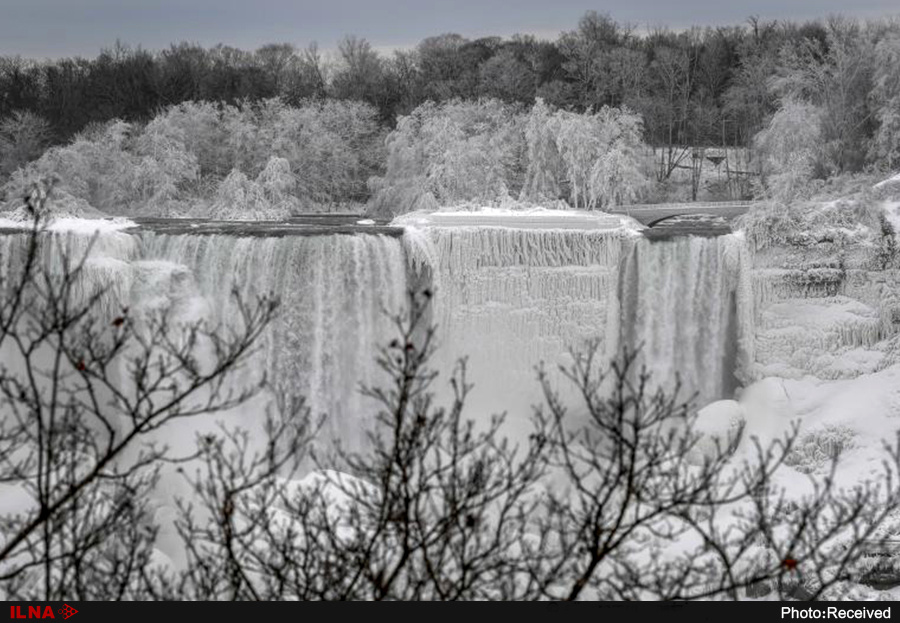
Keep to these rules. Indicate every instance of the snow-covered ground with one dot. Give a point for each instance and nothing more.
(73, 225)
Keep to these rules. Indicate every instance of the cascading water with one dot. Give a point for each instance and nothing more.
(104, 261)
(510, 295)
(336, 294)
(684, 304)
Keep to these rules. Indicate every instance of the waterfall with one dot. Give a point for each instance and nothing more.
(685, 305)
(104, 262)
(509, 299)
(336, 294)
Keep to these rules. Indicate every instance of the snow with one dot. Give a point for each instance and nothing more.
(82, 226)
(527, 218)
(891, 180)
(720, 423)
(867, 406)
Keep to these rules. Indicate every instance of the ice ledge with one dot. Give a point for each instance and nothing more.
(535, 218)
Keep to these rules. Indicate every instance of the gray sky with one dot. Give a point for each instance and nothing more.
(53, 28)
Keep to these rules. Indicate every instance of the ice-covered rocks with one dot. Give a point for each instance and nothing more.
(720, 424)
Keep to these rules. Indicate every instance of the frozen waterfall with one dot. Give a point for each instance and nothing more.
(511, 294)
(336, 294)
(509, 299)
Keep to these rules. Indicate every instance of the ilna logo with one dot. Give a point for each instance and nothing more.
(36, 612)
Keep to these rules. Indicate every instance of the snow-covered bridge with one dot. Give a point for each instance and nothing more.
(653, 214)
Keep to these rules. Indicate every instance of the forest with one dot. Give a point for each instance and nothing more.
(230, 133)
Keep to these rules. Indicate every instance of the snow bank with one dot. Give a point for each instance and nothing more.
(852, 417)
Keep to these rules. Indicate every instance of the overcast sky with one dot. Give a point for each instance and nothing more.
(53, 28)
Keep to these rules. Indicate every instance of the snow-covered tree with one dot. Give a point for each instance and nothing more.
(579, 146)
(238, 198)
(885, 149)
(268, 197)
(452, 153)
(199, 126)
(833, 73)
(599, 155)
(333, 147)
(617, 176)
(163, 166)
(789, 147)
(23, 137)
(461, 153)
(277, 183)
(317, 154)
(543, 172)
(94, 168)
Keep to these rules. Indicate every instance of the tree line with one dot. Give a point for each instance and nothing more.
(801, 102)
(698, 86)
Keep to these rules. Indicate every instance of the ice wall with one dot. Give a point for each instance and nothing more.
(836, 331)
(824, 310)
(510, 298)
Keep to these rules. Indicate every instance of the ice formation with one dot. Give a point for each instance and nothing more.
(336, 293)
(513, 289)
(509, 299)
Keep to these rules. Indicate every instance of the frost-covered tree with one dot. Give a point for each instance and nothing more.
(277, 183)
(322, 154)
(599, 155)
(23, 138)
(115, 168)
(462, 153)
(832, 73)
(199, 126)
(163, 166)
(617, 176)
(93, 168)
(449, 154)
(789, 147)
(268, 197)
(333, 148)
(579, 147)
(885, 149)
(543, 172)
